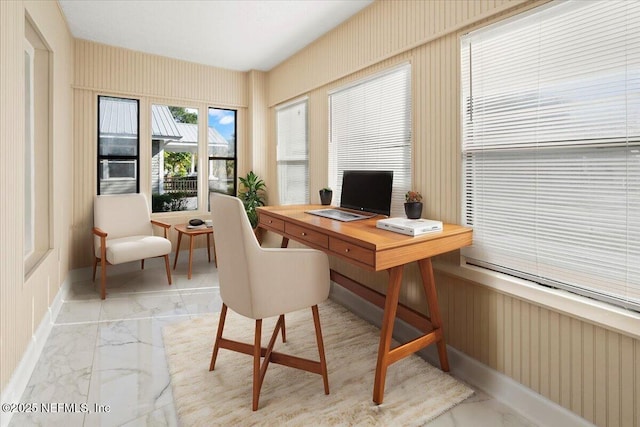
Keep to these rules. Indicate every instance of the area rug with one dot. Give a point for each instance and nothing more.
(415, 392)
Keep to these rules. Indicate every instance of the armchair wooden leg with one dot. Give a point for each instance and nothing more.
(103, 278)
(166, 266)
(323, 361)
(95, 264)
(216, 344)
(141, 264)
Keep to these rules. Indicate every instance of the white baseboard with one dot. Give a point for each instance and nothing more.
(521, 399)
(20, 378)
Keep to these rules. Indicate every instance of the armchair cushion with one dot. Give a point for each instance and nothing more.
(133, 248)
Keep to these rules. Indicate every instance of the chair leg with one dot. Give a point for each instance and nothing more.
(284, 331)
(103, 278)
(263, 356)
(323, 360)
(215, 253)
(95, 264)
(166, 266)
(216, 345)
(257, 349)
(141, 264)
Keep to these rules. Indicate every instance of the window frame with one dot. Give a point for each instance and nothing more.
(101, 157)
(211, 158)
(30, 148)
(196, 166)
(38, 161)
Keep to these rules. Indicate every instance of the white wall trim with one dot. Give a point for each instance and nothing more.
(20, 378)
(522, 399)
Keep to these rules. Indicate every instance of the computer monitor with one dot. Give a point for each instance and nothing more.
(368, 191)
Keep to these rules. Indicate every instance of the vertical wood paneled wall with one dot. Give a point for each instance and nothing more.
(11, 129)
(121, 71)
(588, 369)
(24, 301)
(262, 157)
(108, 70)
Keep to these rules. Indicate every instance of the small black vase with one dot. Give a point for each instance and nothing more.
(413, 210)
(325, 196)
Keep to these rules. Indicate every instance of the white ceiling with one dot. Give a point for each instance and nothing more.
(234, 34)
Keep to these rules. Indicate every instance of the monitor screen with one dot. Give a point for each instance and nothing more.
(368, 191)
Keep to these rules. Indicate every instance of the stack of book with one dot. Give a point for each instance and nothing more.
(410, 227)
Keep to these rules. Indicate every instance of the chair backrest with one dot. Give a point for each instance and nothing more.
(122, 215)
(235, 244)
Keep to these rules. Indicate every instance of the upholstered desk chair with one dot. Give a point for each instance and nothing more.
(123, 232)
(265, 282)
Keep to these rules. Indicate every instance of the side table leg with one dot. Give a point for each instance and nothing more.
(285, 242)
(390, 308)
(190, 255)
(175, 261)
(209, 247)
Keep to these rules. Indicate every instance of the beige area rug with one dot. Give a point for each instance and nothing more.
(415, 393)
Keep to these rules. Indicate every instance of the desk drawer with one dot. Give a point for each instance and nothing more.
(352, 251)
(303, 234)
(271, 222)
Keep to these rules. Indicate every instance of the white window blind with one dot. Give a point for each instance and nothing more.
(370, 129)
(551, 147)
(293, 153)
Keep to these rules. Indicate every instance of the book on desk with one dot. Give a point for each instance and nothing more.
(410, 227)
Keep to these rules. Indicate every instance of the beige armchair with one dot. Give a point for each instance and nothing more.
(265, 282)
(123, 232)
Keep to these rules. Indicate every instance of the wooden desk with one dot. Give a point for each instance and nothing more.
(362, 244)
(192, 232)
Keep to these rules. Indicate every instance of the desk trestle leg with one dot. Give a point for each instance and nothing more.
(429, 283)
(390, 307)
(386, 355)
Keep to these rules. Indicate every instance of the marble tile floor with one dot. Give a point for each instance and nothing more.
(107, 357)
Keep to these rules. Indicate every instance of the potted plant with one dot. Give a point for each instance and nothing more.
(252, 195)
(413, 204)
(325, 196)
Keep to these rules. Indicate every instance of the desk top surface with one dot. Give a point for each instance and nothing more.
(365, 234)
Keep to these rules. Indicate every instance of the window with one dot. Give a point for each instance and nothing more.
(37, 155)
(222, 150)
(370, 129)
(551, 147)
(29, 151)
(293, 153)
(118, 145)
(174, 158)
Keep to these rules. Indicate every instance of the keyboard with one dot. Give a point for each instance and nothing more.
(338, 214)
